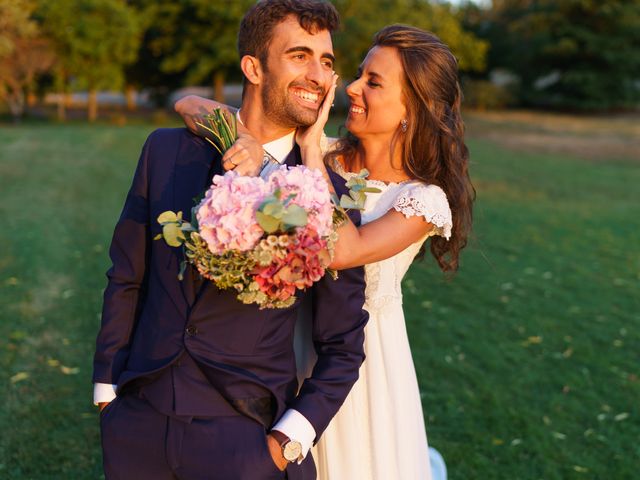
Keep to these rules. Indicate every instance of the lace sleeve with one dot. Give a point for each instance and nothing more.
(428, 201)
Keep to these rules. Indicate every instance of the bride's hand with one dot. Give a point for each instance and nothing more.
(245, 155)
(309, 138)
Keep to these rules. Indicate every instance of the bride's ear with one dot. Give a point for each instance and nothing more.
(252, 69)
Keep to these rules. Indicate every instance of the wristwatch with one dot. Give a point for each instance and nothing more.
(291, 449)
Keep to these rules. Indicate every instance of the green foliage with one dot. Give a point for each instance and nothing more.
(568, 54)
(362, 18)
(221, 129)
(197, 37)
(15, 23)
(485, 95)
(23, 52)
(357, 185)
(173, 228)
(277, 214)
(159, 43)
(227, 270)
(94, 39)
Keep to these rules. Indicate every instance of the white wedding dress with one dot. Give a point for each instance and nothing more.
(379, 433)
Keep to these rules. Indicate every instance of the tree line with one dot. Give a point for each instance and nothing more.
(563, 54)
(579, 54)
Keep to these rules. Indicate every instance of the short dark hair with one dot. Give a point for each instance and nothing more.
(256, 28)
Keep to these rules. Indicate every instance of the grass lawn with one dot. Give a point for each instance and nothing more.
(527, 358)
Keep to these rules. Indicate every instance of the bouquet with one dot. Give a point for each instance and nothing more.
(265, 238)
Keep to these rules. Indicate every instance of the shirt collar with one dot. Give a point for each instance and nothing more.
(280, 148)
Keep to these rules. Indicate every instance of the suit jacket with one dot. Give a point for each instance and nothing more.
(151, 319)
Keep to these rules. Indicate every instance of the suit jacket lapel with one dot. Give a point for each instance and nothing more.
(294, 158)
(195, 165)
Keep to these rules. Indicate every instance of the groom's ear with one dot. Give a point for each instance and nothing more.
(252, 69)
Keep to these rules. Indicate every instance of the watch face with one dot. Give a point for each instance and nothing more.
(292, 451)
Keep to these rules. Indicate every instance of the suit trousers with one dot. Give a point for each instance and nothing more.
(140, 443)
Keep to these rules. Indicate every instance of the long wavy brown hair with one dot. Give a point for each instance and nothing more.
(433, 147)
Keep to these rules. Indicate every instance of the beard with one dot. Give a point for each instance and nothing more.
(284, 110)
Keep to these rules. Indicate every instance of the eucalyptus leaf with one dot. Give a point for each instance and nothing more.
(295, 216)
(167, 217)
(267, 222)
(290, 197)
(275, 209)
(359, 198)
(172, 234)
(183, 268)
(347, 202)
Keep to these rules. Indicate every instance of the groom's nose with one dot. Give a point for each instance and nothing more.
(316, 74)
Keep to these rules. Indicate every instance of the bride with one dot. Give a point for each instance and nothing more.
(405, 128)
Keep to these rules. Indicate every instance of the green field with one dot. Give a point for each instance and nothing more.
(527, 359)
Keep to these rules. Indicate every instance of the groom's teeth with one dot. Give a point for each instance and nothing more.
(355, 109)
(308, 96)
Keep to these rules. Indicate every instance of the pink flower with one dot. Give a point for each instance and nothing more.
(226, 215)
(305, 263)
(311, 193)
(227, 221)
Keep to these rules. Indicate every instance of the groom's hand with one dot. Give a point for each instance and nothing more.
(276, 452)
(102, 405)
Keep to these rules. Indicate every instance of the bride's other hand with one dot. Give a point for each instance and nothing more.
(193, 108)
(309, 138)
(245, 155)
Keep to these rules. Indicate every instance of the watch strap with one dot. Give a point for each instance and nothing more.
(280, 437)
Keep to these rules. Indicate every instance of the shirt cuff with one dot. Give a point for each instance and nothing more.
(295, 426)
(103, 392)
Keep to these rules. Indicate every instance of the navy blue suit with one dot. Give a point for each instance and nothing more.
(200, 376)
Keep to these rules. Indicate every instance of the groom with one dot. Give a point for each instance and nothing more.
(192, 383)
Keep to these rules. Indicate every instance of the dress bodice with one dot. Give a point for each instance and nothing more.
(411, 198)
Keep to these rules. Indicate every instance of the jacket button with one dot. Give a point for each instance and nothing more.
(191, 330)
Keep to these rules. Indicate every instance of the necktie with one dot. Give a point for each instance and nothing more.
(269, 165)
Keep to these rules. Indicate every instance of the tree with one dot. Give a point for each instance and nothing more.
(362, 18)
(94, 39)
(23, 53)
(146, 72)
(197, 38)
(576, 54)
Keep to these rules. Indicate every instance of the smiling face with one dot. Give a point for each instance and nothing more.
(377, 103)
(296, 74)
